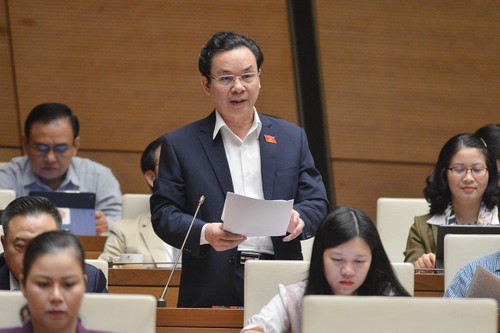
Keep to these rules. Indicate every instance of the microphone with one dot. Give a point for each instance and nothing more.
(162, 302)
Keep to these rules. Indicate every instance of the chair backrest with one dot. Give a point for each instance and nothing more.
(307, 245)
(107, 312)
(11, 303)
(6, 196)
(376, 314)
(101, 264)
(134, 204)
(461, 249)
(406, 275)
(395, 216)
(263, 276)
(119, 312)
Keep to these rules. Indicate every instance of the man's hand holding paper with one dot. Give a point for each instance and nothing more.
(254, 217)
(220, 239)
(294, 227)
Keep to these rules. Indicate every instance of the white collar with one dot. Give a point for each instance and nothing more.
(437, 220)
(440, 219)
(219, 123)
(14, 284)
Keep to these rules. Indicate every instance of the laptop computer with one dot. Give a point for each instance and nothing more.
(77, 210)
(443, 230)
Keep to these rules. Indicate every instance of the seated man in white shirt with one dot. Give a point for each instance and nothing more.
(137, 235)
(51, 140)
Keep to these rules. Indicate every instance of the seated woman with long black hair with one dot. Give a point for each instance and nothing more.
(347, 259)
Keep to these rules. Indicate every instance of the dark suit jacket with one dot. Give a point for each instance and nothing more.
(96, 282)
(193, 164)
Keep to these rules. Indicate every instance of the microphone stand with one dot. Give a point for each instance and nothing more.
(162, 302)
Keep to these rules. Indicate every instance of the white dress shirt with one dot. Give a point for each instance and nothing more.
(243, 157)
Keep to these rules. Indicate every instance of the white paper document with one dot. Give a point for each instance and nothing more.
(255, 217)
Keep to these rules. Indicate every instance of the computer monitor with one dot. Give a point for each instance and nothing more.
(443, 230)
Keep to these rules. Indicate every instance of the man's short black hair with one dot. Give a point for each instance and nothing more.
(226, 41)
(46, 113)
(148, 158)
(29, 206)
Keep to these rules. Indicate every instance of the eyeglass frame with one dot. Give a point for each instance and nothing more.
(234, 77)
(44, 149)
(478, 169)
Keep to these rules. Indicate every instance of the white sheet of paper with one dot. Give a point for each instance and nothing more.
(255, 217)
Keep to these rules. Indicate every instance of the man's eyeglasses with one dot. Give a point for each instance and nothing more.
(44, 149)
(228, 80)
(461, 171)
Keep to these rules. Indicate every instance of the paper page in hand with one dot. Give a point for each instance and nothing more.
(255, 217)
(484, 284)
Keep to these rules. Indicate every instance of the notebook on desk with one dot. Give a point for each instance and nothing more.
(77, 210)
(443, 230)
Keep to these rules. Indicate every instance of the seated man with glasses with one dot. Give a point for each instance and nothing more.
(462, 190)
(51, 141)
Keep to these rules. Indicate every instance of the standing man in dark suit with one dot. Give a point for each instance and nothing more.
(22, 220)
(235, 149)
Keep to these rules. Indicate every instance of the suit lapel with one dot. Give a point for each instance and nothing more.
(151, 240)
(4, 279)
(216, 154)
(268, 141)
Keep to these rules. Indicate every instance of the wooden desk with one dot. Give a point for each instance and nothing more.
(198, 320)
(149, 281)
(93, 245)
(152, 281)
(429, 285)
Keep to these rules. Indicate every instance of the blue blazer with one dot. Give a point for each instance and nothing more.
(96, 282)
(192, 164)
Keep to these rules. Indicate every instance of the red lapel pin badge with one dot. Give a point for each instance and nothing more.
(270, 139)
